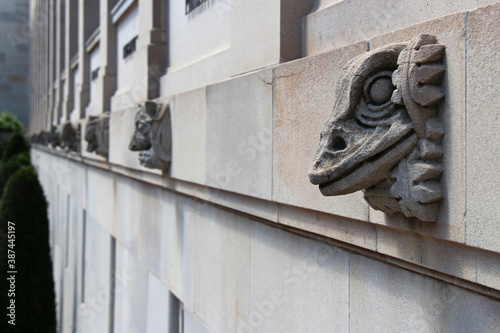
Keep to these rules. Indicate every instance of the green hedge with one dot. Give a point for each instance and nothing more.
(24, 204)
(9, 122)
(8, 168)
(17, 144)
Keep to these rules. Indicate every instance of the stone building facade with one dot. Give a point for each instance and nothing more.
(186, 204)
(14, 59)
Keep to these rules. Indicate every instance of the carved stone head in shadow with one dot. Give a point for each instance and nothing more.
(55, 136)
(97, 134)
(70, 136)
(383, 135)
(153, 135)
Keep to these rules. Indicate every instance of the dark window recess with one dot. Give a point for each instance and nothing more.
(129, 48)
(12, 78)
(95, 73)
(193, 4)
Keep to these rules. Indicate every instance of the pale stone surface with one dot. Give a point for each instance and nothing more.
(128, 212)
(158, 310)
(253, 206)
(289, 277)
(96, 308)
(304, 98)
(192, 324)
(131, 292)
(239, 135)
(203, 32)
(204, 72)
(126, 30)
(412, 302)
(95, 84)
(481, 3)
(150, 220)
(178, 229)
(222, 269)
(488, 269)
(189, 137)
(101, 198)
(450, 31)
(343, 23)
(483, 123)
(450, 258)
(346, 230)
(255, 35)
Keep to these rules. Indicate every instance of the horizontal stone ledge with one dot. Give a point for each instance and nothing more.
(468, 267)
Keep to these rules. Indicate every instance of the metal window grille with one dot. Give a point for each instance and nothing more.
(193, 4)
(129, 48)
(95, 73)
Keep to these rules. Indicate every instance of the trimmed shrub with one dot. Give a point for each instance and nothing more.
(24, 204)
(3, 145)
(16, 145)
(9, 122)
(8, 168)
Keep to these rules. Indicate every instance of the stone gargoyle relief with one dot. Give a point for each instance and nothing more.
(97, 134)
(55, 136)
(153, 135)
(384, 136)
(70, 136)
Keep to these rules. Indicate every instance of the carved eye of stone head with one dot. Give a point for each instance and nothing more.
(379, 88)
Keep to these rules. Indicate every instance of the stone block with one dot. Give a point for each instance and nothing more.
(252, 206)
(481, 3)
(384, 298)
(192, 324)
(446, 257)
(178, 228)
(222, 269)
(101, 198)
(304, 99)
(189, 137)
(449, 31)
(131, 293)
(344, 23)
(239, 135)
(128, 212)
(150, 220)
(205, 31)
(95, 313)
(290, 274)
(204, 72)
(483, 124)
(354, 232)
(158, 310)
(488, 269)
(255, 35)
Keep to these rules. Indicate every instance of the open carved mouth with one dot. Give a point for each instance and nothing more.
(370, 171)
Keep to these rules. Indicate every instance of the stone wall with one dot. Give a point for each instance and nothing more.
(233, 237)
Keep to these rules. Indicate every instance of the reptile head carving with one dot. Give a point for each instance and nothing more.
(383, 136)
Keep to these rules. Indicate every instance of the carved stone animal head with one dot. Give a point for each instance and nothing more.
(97, 134)
(152, 135)
(69, 136)
(143, 124)
(55, 136)
(383, 136)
